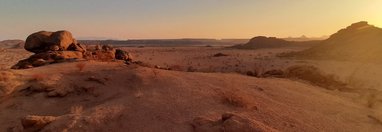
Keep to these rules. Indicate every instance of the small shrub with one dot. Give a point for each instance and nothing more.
(259, 67)
(252, 74)
(155, 72)
(191, 69)
(76, 110)
(219, 55)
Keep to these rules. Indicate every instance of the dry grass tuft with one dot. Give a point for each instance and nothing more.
(80, 66)
(77, 110)
(155, 72)
(38, 77)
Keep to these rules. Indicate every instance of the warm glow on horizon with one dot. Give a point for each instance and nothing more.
(132, 19)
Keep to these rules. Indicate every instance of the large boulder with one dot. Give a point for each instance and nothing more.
(49, 41)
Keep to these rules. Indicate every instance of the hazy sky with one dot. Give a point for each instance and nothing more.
(129, 19)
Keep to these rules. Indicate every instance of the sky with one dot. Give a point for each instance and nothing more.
(164, 19)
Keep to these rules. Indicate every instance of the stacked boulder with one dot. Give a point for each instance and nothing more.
(60, 46)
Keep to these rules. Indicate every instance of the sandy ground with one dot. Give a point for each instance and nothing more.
(112, 96)
(200, 59)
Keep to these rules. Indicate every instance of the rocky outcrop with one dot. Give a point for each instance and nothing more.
(60, 46)
(264, 42)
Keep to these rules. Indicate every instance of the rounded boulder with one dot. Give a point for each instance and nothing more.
(44, 41)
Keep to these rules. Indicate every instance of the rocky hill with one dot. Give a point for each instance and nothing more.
(357, 42)
(273, 42)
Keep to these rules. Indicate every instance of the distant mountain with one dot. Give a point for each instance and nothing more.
(305, 38)
(168, 42)
(357, 42)
(12, 44)
(260, 42)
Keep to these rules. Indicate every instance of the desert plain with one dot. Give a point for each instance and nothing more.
(202, 88)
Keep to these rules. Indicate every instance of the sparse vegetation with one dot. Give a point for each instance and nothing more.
(252, 73)
(76, 110)
(315, 76)
(191, 69)
(155, 72)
